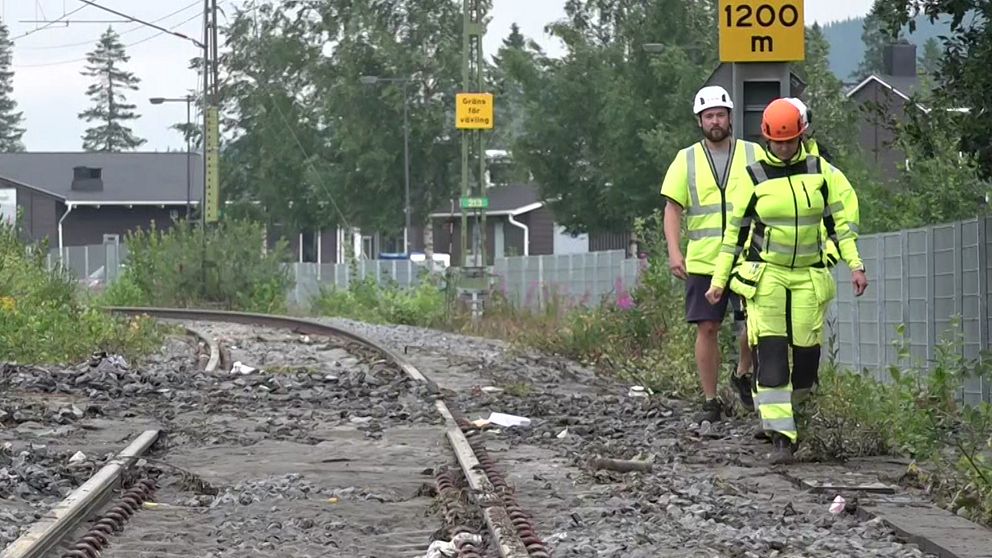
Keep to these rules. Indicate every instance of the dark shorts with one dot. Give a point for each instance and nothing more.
(698, 309)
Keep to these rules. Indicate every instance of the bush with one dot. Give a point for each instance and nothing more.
(916, 414)
(365, 300)
(229, 268)
(41, 320)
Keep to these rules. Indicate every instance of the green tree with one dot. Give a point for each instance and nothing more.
(875, 36)
(604, 121)
(963, 74)
(512, 63)
(111, 110)
(10, 118)
(929, 60)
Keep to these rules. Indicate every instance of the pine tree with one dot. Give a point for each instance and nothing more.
(10, 130)
(105, 63)
(875, 37)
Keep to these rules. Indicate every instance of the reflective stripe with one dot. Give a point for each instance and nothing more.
(854, 228)
(773, 396)
(811, 164)
(835, 207)
(749, 152)
(708, 209)
(759, 172)
(802, 250)
(699, 234)
(690, 161)
(791, 221)
(786, 426)
(729, 249)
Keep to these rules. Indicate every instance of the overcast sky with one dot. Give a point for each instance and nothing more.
(50, 91)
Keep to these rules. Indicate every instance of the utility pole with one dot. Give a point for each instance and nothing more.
(472, 135)
(210, 202)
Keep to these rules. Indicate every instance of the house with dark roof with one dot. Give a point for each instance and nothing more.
(518, 223)
(887, 93)
(74, 199)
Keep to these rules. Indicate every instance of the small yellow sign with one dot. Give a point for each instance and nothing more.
(474, 111)
(762, 31)
(212, 202)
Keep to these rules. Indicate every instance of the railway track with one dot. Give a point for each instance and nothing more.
(154, 498)
(342, 447)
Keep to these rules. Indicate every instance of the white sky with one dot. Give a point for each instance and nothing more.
(51, 92)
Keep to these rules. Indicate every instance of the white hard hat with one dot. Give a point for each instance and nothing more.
(803, 111)
(711, 96)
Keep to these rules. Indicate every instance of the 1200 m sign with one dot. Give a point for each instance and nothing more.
(762, 31)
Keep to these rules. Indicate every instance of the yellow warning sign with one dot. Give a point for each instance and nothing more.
(762, 31)
(474, 111)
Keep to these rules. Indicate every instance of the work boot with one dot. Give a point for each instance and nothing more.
(781, 450)
(762, 434)
(712, 411)
(743, 386)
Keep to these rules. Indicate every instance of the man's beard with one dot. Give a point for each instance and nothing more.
(716, 133)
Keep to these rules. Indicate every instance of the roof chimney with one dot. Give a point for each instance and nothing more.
(899, 59)
(87, 179)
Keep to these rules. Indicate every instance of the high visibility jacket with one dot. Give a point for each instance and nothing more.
(691, 183)
(848, 196)
(853, 213)
(786, 208)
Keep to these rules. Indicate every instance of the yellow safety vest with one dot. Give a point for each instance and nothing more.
(783, 215)
(848, 196)
(691, 183)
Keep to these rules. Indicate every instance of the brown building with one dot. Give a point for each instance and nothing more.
(882, 100)
(73, 199)
(518, 223)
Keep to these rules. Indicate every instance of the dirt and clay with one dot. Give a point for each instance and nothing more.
(322, 452)
(314, 447)
(709, 492)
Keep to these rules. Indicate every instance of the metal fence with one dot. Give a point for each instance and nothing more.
(574, 279)
(921, 279)
(311, 277)
(89, 264)
(926, 280)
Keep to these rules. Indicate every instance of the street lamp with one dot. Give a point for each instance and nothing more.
(189, 101)
(373, 80)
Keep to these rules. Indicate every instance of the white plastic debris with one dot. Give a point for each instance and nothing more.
(240, 368)
(77, 457)
(838, 505)
(440, 549)
(492, 390)
(507, 421)
(561, 435)
(637, 391)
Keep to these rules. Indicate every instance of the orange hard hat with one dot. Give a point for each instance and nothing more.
(782, 121)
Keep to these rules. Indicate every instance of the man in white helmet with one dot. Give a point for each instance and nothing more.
(701, 182)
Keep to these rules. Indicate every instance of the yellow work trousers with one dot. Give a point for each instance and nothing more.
(786, 310)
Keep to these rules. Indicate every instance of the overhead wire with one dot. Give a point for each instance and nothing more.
(138, 42)
(49, 24)
(127, 31)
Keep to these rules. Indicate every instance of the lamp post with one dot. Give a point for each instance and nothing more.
(373, 80)
(189, 180)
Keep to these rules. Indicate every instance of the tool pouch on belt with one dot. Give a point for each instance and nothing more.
(824, 285)
(744, 279)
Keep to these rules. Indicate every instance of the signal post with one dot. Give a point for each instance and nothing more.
(758, 41)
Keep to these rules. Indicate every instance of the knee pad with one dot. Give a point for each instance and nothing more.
(806, 366)
(773, 368)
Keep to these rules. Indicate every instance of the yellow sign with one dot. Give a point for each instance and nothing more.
(762, 31)
(212, 193)
(474, 111)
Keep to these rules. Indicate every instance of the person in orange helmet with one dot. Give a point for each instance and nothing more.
(782, 276)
